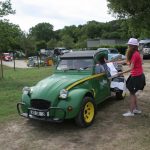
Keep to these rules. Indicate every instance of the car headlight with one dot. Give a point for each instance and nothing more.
(26, 90)
(63, 94)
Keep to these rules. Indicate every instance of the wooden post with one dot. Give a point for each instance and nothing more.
(14, 60)
(38, 60)
(1, 66)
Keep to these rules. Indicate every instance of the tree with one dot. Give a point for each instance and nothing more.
(137, 13)
(6, 29)
(28, 45)
(52, 44)
(93, 29)
(10, 36)
(5, 8)
(42, 31)
(41, 45)
(67, 41)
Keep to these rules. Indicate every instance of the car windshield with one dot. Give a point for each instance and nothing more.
(147, 45)
(6, 54)
(75, 64)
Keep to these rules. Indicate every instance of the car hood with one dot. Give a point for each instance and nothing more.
(50, 87)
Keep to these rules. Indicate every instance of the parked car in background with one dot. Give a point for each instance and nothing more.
(72, 92)
(110, 50)
(113, 54)
(34, 61)
(145, 44)
(146, 50)
(60, 51)
(7, 57)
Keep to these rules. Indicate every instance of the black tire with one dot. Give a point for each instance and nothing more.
(120, 95)
(86, 113)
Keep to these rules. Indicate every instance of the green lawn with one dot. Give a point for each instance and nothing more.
(11, 87)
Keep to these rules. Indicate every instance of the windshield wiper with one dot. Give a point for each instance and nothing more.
(66, 69)
(84, 68)
(72, 69)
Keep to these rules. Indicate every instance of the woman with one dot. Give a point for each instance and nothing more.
(102, 67)
(136, 80)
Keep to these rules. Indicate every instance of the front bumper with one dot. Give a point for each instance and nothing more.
(43, 115)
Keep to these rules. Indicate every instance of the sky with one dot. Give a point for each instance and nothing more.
(58, 13)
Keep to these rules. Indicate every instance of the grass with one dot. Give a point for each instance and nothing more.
(11, 88)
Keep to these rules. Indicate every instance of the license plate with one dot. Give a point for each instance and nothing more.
(38, 113)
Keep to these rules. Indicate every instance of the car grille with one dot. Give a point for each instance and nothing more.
(40, 104)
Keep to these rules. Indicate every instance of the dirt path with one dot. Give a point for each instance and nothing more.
(110, 130)
(18, 64)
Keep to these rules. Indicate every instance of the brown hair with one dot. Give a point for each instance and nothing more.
(102, 59)
(131, 49)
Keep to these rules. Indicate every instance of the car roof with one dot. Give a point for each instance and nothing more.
(60, 48)
(80, 54)
(105, 48)
(144, 41)
(6, 53)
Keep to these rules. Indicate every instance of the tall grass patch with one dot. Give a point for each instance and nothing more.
(12, 84)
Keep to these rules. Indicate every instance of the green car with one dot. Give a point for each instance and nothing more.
(72, 92)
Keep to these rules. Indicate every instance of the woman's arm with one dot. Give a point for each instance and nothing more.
(131, 66)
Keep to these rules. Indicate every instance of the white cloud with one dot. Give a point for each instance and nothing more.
(59, 13)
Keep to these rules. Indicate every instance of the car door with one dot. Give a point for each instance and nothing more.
(101, 84)
(101, 87)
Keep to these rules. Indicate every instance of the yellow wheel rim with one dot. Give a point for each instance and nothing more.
(88, 112)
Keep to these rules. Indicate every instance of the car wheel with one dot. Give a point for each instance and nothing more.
(120, 95)
(86, 113)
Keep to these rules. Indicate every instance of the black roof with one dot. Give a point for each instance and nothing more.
(79, 54)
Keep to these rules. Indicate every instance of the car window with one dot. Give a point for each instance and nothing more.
(6, 54)
(74, 64)
(147, 45)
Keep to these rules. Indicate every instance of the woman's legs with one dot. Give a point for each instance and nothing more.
(133, 102)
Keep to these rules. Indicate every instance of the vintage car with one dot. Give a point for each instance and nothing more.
(35, 61)
(73, 91)
(7, 57)
(60, 51)
(113, 54)
(144, 47)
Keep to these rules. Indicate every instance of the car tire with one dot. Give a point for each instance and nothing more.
(86, 113)
(120, 95)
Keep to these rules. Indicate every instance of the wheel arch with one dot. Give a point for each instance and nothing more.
(89, 94)
(75, 99)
